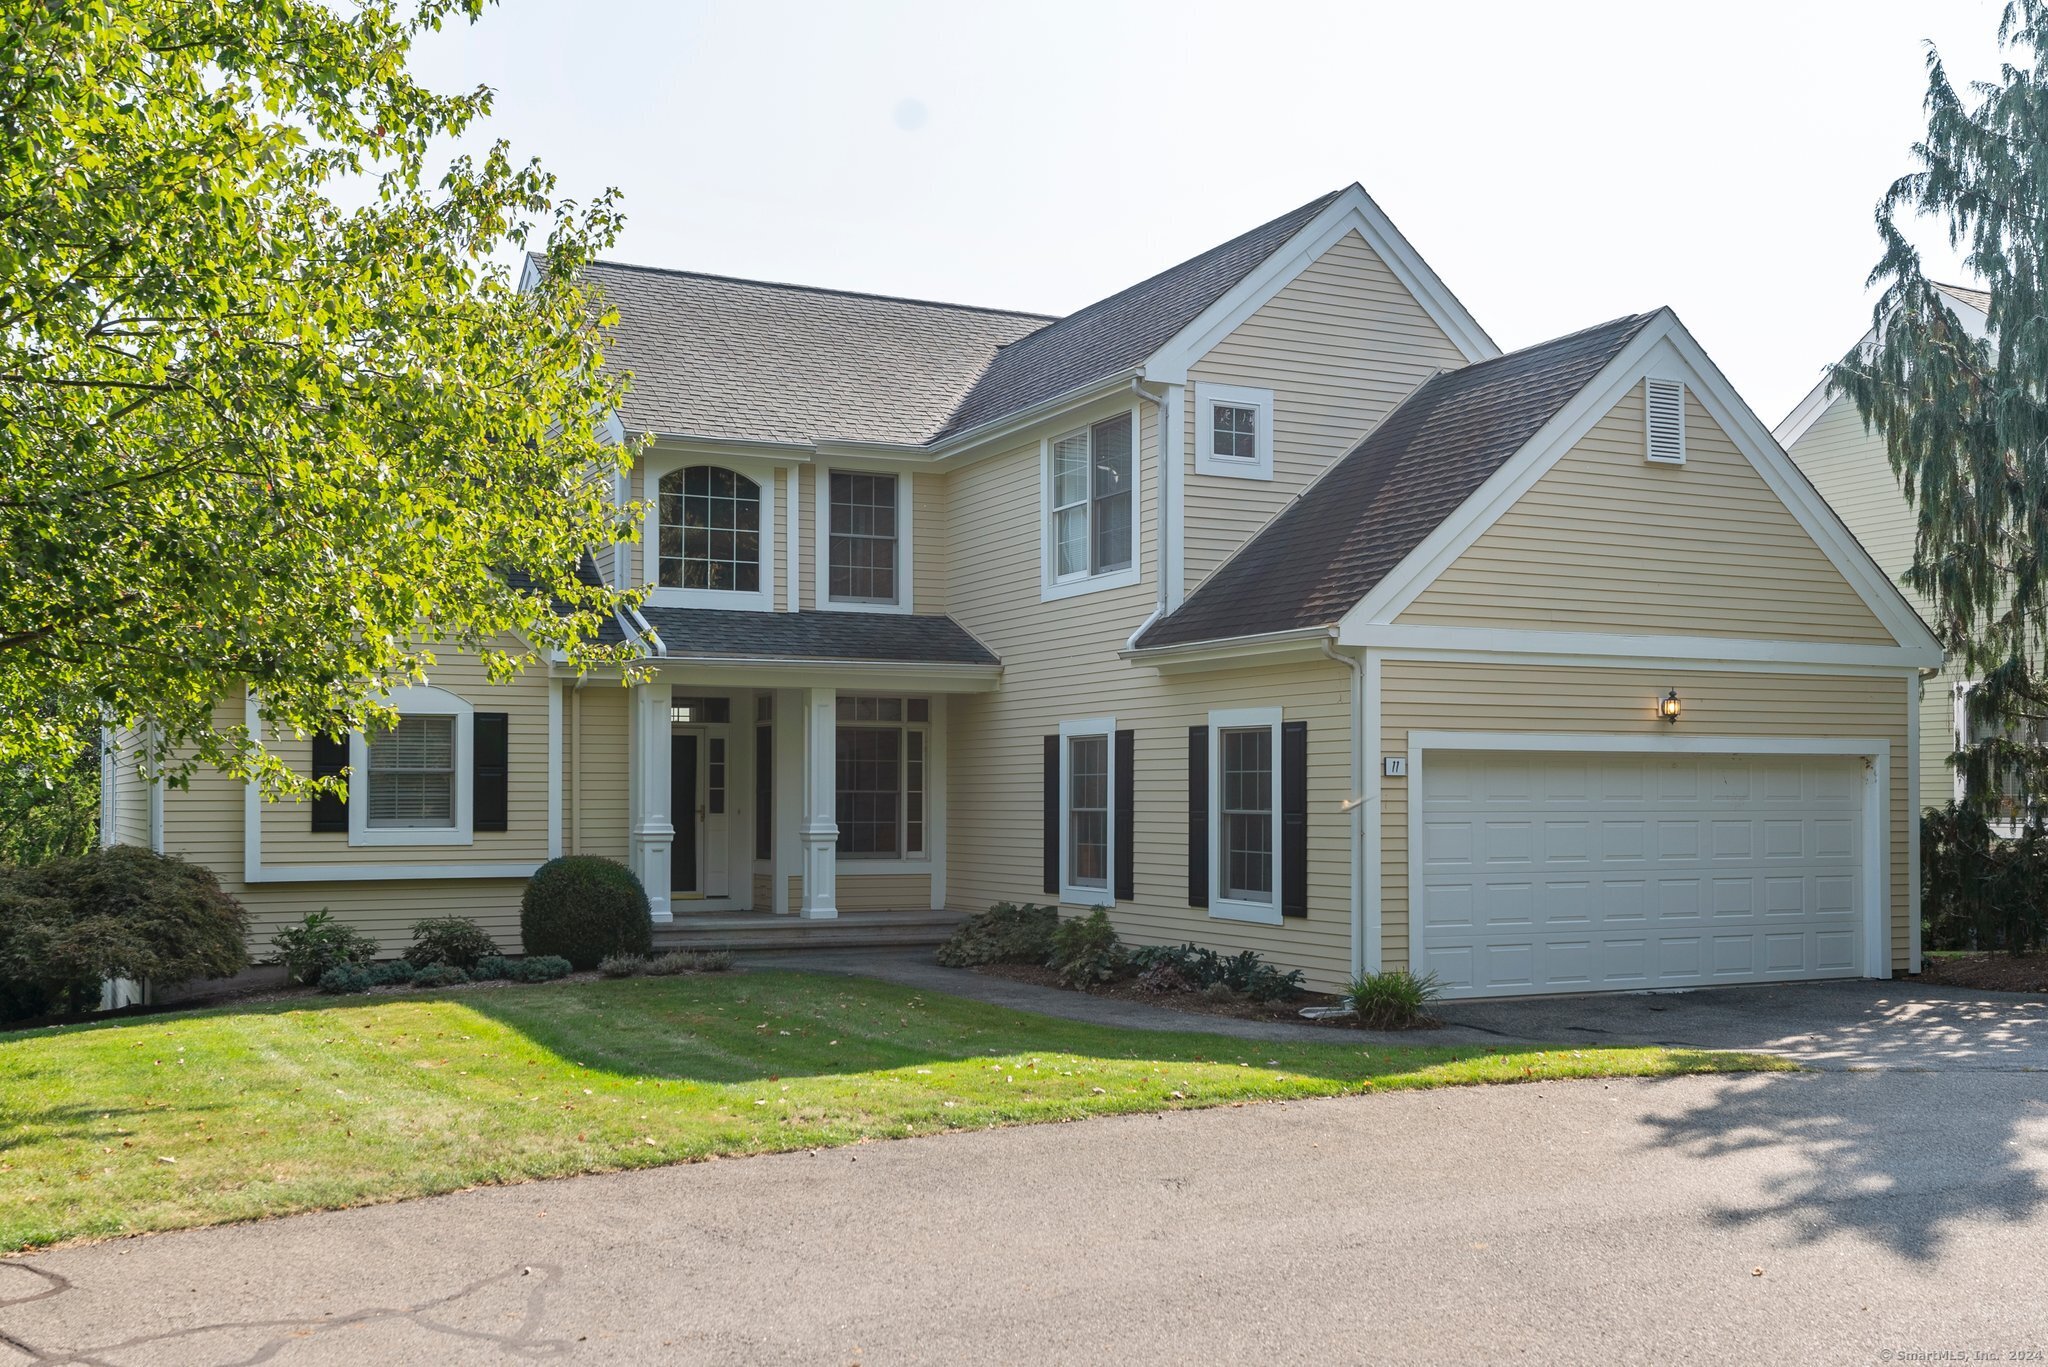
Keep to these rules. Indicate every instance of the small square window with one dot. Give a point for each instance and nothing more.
(1233, 431)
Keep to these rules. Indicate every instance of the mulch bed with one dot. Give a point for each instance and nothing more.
(1987, 972)
(1240, 1008)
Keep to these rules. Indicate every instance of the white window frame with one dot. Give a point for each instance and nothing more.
(821, 537)
(1070, 894)
(1267, 913)
(1050, 584)
(658, 468)
(1207, 462)
(920, 861)
(419, 701)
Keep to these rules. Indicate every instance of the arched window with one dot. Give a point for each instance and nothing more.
(710, 530)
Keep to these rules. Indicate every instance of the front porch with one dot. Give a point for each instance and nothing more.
(759, 931)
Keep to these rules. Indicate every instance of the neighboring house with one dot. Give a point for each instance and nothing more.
(1264, 603)
(1846, 461)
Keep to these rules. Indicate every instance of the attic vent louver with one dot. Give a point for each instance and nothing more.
(1664, 418)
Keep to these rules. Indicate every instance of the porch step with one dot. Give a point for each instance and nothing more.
(755, 931)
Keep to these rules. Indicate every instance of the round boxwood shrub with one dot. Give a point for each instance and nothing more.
(584, 909)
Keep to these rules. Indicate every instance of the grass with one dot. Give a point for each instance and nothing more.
(177, 1121)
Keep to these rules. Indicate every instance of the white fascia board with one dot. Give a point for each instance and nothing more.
(1611, 649)
(1666, 348)
(1231, 650)
(982, 438)
(1352, 211)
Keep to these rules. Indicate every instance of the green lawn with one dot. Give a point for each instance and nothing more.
(176, 1121)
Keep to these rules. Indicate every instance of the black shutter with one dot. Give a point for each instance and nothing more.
(1126, 857)
(1294, 818)
(1198, 816)
(489, 768)
(1052, 816)
(330, 810)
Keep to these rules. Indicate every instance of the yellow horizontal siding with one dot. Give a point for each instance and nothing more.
(1433, 696)
(1339, 346)
(1607, 541)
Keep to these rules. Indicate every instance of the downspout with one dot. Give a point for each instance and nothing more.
(1361, 785)
(1159, 499)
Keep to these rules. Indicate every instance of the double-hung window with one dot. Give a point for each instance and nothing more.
(1091, 506)
(862, 551)
(1245, 817)
(412, 774)
(1087, 829)
(881, 749)
(435, 776)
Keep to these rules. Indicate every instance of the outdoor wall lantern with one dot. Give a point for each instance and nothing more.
(1668, 707)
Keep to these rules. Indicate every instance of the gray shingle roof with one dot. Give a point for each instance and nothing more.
(749, 360)
(1977, 299)
(1327, 549)
(713, 633)
(1117, 333)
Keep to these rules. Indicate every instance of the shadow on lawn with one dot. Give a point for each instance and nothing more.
(1895, 1158)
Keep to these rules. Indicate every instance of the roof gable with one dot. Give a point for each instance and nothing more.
(1348, 531)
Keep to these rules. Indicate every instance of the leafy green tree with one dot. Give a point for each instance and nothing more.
(273, 409)
(1965, 417)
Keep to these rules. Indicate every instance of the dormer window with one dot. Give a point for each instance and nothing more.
(1233, 431)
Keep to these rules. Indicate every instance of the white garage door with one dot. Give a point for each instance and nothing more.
(1588, 872)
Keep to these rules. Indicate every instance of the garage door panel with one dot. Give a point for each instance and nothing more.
(1569, 873)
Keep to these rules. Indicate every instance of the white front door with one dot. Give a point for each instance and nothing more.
(1544, 872)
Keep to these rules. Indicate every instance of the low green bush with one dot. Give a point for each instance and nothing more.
(346, 979)
(1007, 933)
(1196, 967)
(318, 943)
(622, 965)
(392, 973)
(440, 975)
(539, 968)
(690, 961)
(1393, 999)
(1086, 951)
(491, 967)
(69, 925)
(453, 940)
(583, 908)
(1980, 890)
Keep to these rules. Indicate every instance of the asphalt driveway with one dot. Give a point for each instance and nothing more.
(1894, 1204)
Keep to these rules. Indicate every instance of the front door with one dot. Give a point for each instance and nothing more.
(683, 750)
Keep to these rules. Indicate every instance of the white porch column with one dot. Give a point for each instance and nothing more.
(652, 831)
(820, 830)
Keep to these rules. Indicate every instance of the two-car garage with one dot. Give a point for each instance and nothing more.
(1540, 869)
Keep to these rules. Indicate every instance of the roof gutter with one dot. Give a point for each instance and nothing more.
(1192, 650)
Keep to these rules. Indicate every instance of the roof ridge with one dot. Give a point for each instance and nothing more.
(822, 289)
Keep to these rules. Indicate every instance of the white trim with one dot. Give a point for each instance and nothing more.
(1915, 692)
(1810, 409)
(661, 464)
(1207, 398)
(1876, 863)
(1594, 646)
(555, 770)
(1173, 478)
(793, 540)
(1352, 211)
(1663, 348)
(422, 700)
(1371, 958)
(822, 537)
(1072, 895)
(1222, 907)
(381, 873)
(1050, 586)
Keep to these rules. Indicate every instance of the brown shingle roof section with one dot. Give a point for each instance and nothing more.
(1327, 549)
(747, 360)
(1119, 332)
(717, 633)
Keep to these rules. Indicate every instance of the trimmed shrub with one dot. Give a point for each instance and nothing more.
(1007, 933)
(541, 968)
(345, 979)
(583, 908)
(622, 965)
(440, 975)
(318, 943)
(67, 926)
(453, 940)
(491, 967)
(392, 973)
(1086, 951)
(1393, 999)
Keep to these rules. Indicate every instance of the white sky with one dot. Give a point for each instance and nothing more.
(1559, 162)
